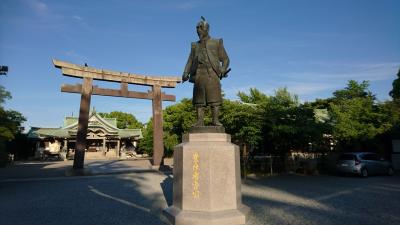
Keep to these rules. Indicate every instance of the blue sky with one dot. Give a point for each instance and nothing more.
(313, 47)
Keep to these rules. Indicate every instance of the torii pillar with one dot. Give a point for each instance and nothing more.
(158, 133)
(87, 89)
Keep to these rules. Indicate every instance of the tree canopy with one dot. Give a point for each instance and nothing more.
(356, 116)
(4, 95)
(10, 125)
(288, 124)
(395, 92)
(10, 120)
(146, 144)
(242, 121)
(280, 122)
(124, 120)
(354, 90)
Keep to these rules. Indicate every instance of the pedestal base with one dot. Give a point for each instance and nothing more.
(207, 183)
(207, 129)
(183, 217)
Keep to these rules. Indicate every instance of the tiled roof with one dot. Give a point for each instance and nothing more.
(37, 132)
(126, 133)
(71, 124)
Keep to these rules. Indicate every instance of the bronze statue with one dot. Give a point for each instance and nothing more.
(207, 65)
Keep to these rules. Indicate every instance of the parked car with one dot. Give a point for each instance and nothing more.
(363, 164)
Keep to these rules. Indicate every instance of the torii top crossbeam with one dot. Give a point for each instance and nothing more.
(87, 89)
(69, 69)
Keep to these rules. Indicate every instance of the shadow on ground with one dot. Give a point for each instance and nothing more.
(34, 169)
(131, 198)
(139, 197)
(322, 200)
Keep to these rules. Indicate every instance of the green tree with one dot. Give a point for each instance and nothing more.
(353, 90)
(243, 121)
(4, 95)
(393, 107)
(146, 143)
(10, 120)
(10, 125)
(392, 110)
(280, 121)
(124, 120)
(255, 96)
(395, 92)
(178, 119)
(356, 116)
(275, 123)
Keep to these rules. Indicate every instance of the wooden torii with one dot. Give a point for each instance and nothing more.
(87, 89)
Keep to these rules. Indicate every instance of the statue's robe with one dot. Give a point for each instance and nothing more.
(207, 62)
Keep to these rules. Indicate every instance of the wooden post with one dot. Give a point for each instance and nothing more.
(244, 156)
(83, 123)
(37, 152)
(65, 148)
(158, 146)
(118, 147)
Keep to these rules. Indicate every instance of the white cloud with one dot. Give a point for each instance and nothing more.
(77, 17)
(81, 22)
(38, 7)
(314, 84)
(345, 71)
(303, 88)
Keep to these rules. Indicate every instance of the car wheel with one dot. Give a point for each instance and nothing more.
(390, 171)
(364, 172)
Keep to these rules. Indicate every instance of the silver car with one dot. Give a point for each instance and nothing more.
(363, 164)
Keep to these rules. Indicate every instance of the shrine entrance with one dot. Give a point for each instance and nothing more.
(87, 90)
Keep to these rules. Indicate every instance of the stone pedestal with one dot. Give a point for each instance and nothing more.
(123, 155)
(207, 183)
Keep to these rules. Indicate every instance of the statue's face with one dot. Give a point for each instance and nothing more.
(202, 30)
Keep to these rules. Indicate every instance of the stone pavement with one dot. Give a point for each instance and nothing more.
(48, 169)
(133, 195)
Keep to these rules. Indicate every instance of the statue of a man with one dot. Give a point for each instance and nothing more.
(207, 65)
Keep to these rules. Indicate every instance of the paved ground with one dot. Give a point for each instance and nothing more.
(138, 196)
(323, 200)
(37, 169)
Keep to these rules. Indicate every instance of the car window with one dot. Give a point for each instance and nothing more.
(374, 157)
(370, 157)
(346, 157)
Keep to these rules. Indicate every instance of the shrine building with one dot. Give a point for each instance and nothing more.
(104, 138)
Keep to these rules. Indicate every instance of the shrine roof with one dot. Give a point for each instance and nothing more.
(38, 133)
(126, 133)
(96, 122)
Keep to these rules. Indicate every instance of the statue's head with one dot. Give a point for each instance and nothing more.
(202, 28)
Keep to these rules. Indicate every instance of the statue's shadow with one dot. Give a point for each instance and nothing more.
(166, 186)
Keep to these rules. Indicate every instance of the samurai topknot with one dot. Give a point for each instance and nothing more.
(203, 23)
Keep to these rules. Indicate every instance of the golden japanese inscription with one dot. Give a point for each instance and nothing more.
(196, 175)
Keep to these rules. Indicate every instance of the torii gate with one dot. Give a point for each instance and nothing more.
(87, 89)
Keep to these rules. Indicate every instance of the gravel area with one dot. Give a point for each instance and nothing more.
(302, 200)
(139, 197)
